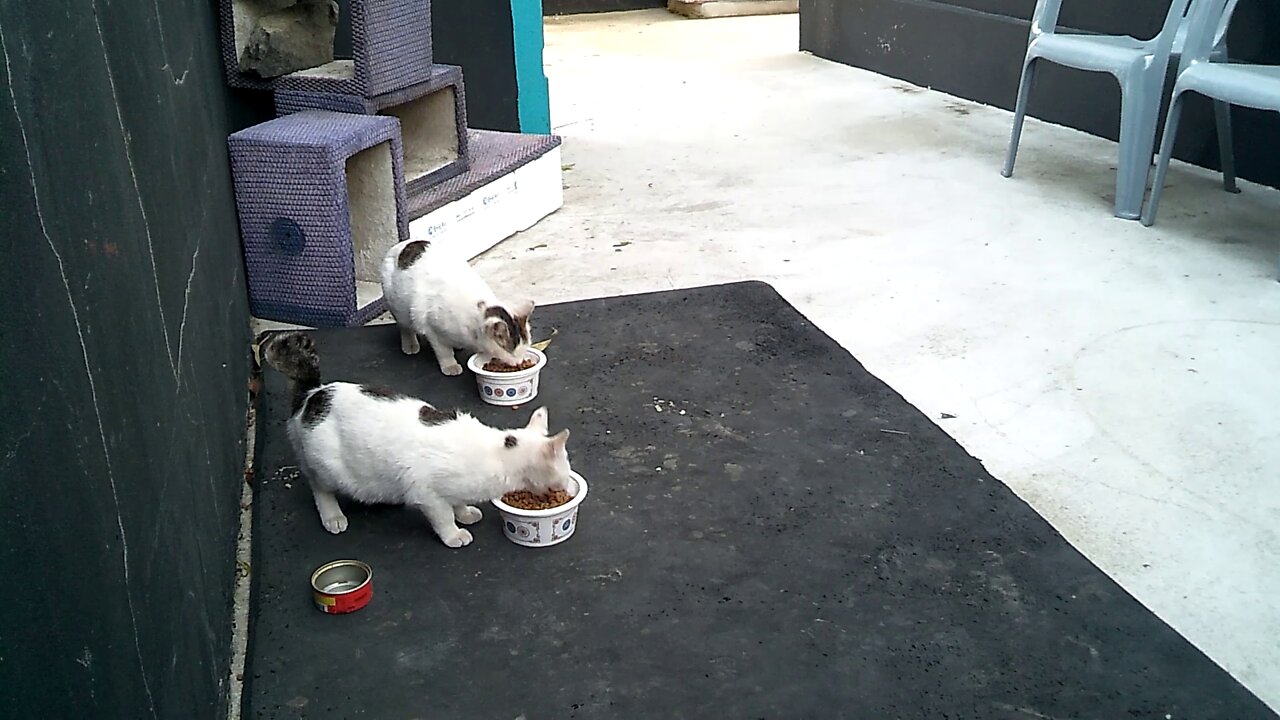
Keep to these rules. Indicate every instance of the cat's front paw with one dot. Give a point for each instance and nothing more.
(462, 538)
(451, 370)
(334, 523)
(468, 515)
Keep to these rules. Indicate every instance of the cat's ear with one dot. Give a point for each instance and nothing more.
(497, 329)
(556, 444)
(523, 309)
(538, 421)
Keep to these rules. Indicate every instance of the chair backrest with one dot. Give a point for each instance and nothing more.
(1044, 19)
(1207, 23)
(1220, 34)
(1172, 21)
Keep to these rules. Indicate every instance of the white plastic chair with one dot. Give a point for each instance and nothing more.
(1140, 66)
(1227, 83)
(1221, 110)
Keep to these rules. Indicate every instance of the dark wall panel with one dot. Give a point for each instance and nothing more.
(974, 49)
(125, 359)
(1140, 18)
(478, 35)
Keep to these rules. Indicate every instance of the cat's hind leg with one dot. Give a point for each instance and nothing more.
(467, 514)
(444, 354)
(409, 341)
(440, 514)
(324, 477)
(331, 515)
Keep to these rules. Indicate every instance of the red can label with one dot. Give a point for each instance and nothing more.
(346, 602)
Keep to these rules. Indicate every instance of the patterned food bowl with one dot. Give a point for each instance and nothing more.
(507, 388)
(543, 528)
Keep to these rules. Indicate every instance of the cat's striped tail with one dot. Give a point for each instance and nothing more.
(294, 354)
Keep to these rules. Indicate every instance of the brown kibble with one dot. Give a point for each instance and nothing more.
(526, 500)
(499, 366)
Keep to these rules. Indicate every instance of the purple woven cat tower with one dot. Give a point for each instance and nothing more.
(433, 122)
(361, 146)
(444, 160)
(321, 198)
(390, 41)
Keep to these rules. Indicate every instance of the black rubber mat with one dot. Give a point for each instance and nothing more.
(770, 532)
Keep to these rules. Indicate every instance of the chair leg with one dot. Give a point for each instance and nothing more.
(1226, 148)
(1019, 115)
(1162, 162)
(1139, 113)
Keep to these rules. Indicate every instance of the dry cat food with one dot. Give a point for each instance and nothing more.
(526, 500)
(499, 366)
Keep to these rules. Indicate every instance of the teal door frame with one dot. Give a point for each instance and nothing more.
(533, 100)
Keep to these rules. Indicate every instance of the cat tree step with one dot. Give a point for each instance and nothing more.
(433, 122)
(390, 40)
(320, 199)
(513, 180)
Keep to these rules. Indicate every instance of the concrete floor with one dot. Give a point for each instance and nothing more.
(1124, 381)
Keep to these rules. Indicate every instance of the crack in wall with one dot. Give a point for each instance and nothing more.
(137, 190)
(84, 353)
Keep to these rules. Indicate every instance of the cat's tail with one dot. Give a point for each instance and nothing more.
(294, 354)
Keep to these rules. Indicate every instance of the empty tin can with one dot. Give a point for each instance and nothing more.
(342, 586)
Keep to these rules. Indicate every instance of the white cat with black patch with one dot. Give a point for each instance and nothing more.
(377, 446)
(435, 294)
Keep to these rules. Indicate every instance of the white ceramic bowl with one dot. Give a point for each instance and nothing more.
(507, 388)
(543, 528)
